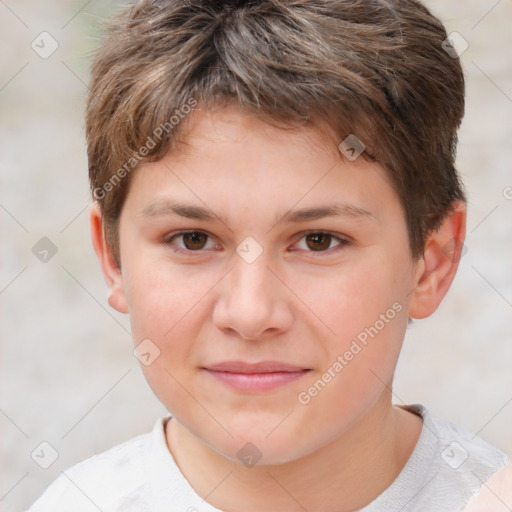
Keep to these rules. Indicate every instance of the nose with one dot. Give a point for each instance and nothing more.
(253, 302)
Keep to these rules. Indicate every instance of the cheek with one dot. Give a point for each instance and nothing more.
(357, 372)
(160, 296)
(366, 313)
(166, 308)
(361, 357)
(170, 307)
(351, 300)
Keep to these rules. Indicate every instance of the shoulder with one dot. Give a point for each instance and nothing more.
(111, 480)
(495, 494)
(462, 466)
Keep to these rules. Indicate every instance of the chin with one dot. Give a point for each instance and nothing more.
(262, 452)
(262, 442)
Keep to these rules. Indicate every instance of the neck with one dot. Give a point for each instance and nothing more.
(344, 475)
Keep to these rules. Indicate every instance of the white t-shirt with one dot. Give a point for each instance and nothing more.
(446, 468)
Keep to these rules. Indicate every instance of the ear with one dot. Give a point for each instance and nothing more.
(438, 265)
(111, 271)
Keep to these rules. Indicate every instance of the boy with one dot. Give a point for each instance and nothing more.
(229, 142)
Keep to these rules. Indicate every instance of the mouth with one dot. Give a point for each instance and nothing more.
(255, 377)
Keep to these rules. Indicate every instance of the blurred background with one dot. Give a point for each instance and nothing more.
(69, 379)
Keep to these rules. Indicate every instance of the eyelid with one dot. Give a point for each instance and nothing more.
(169, 238)
(342, 239)
(339, 236)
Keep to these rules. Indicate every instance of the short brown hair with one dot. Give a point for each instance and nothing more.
(377, 69)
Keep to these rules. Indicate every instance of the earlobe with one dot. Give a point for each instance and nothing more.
(110, 268)
(443, 251)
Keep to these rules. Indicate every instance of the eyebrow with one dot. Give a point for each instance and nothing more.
(163, 207)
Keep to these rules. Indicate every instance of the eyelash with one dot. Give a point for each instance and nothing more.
(343, 242)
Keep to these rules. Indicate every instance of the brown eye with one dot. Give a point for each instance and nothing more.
(319, 241)
(195, 240)
(189, 241)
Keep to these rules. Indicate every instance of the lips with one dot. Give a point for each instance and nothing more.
(249, 368)
(255, 377)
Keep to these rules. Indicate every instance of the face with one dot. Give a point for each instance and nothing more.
(251, 244)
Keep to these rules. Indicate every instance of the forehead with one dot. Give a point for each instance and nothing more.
(227, 162)
(232, 125)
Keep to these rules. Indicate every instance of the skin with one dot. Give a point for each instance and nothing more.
(294, 303)
(495, 495)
